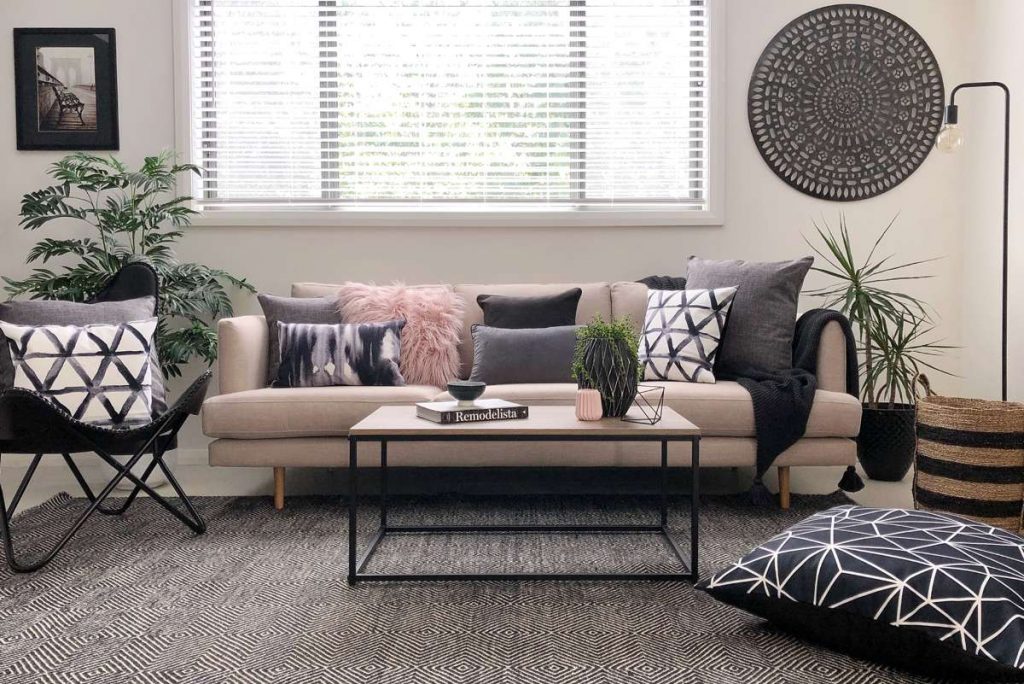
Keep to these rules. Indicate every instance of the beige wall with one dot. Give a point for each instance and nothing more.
(765, 219)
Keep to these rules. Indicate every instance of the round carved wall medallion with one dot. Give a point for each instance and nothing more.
(845, 102)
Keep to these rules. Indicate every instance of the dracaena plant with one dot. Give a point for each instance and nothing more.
(893, 328)
(135, 215)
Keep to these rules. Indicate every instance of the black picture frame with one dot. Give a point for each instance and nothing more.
(66, 107)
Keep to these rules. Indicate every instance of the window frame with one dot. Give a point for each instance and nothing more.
(464, 214)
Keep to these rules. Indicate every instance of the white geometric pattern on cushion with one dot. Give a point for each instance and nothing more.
(957, 583)
(682, 332)
(98, 373)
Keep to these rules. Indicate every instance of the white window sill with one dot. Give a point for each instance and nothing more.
(447, 217)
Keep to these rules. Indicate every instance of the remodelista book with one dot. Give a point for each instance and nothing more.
(449, 412)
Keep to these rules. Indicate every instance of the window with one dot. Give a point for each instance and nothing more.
(550, 103)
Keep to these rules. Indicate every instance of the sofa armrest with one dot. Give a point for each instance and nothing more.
(831, 362)
(242, 352)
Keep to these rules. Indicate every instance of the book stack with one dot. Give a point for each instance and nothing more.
(452, 412)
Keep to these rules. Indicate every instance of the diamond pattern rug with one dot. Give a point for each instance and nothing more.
(261, 597)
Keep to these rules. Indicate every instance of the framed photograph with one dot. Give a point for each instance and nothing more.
(65, 83)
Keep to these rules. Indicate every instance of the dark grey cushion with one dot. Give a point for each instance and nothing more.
(759, 333)
(54, 312)
(664, 282)
(293, 310)
(501, 311)
(504, 356)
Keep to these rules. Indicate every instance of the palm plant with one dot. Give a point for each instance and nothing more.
(902, 355)
(891, 326)
(136, 217)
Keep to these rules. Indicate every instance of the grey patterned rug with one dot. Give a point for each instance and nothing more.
(261, 597)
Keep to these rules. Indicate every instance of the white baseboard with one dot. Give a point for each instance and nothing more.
(185, 457)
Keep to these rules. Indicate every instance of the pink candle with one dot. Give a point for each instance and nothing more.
(588, 404)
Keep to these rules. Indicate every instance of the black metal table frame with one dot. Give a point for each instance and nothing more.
(356, 563)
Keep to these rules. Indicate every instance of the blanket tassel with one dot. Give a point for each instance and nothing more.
(759, 494)
(851, 481)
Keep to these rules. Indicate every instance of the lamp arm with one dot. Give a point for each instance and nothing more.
(979, 84)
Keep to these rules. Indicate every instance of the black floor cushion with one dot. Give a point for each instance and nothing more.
(930, 592)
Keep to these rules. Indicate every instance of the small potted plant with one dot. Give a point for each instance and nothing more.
(607, 359)
(893, 330)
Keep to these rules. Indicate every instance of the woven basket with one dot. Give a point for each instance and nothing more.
(970, 459)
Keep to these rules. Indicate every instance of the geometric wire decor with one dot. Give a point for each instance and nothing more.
(845, 102)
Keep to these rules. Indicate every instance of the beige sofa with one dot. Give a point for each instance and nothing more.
(257, 426)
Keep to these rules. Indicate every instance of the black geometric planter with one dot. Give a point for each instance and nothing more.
(887, 442)
(611, 368)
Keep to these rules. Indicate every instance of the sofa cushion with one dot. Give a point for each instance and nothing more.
(546, 311)
(270, 413)
(524, 355)
(329, 355)
(760, 331)
(723, 409)
(595, 301)
(629, 300)
(293, 310)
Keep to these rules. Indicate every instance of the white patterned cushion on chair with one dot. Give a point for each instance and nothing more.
(927, 591)
(682, 333)
(99, 373)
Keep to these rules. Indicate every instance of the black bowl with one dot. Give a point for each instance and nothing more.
(466, 390)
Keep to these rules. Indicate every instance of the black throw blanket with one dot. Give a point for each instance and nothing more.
(782, 399)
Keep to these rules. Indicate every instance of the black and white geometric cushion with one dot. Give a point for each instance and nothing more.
(98, 373)
(927, 591)
(682, 331)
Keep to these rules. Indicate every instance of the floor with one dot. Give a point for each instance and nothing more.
(198, 479)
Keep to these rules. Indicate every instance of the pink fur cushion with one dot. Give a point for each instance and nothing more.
(433, 324)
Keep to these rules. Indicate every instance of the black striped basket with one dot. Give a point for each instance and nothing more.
(970, 459)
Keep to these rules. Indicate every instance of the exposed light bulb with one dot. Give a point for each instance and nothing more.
(950, 138)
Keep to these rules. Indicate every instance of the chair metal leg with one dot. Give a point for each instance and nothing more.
(5, 524)
(87, 490)
(24, 485)
(193, 520)
(195, 524)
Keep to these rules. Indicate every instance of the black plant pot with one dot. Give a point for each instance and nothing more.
(887, 441)
(611, 368)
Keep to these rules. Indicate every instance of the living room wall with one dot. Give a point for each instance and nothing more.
(999, 57)
(765, 219)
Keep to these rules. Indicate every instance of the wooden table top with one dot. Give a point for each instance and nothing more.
(544, 421)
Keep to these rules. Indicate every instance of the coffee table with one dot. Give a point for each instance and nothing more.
(545, 424)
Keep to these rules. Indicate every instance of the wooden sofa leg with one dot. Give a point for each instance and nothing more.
(784, 487)
(279, 488)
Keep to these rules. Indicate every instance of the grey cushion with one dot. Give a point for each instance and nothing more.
(503, 356)
(54, 312)
(759, 332)
(293, 310)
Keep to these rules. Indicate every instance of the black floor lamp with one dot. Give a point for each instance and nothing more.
(950, 139)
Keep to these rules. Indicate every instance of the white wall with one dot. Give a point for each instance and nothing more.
(765, 219)
(998, 56)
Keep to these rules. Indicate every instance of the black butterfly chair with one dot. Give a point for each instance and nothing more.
(32, 424)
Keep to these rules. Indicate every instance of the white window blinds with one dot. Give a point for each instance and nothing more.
(552, 102)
